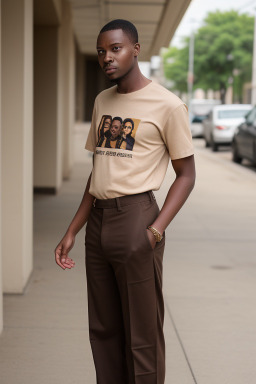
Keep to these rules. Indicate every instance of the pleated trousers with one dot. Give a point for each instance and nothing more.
(124, 287)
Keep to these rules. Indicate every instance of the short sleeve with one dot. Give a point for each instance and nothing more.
(177, 135)
(91, 138)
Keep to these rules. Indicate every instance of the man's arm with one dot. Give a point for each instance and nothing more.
(79, 220)
(177, 195)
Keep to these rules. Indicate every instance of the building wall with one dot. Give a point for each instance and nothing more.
(79, 85)
(47, 12)
(67, 91)
(28, 142)
(95, 82)
(47, 130)
(38, 112)
(54, 93)
(1, 289)
(58, 6)
(16, 149)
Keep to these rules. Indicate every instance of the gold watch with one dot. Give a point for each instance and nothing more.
(155, 232)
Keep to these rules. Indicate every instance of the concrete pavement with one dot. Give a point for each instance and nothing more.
(209, 285)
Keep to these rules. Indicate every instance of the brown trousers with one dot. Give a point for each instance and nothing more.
(125, 301)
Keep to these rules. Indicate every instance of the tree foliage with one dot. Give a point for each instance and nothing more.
(223, 54)
(176, 67)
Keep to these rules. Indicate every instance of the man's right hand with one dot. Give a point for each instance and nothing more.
(62, 250)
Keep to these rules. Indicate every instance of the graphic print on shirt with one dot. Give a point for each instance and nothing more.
(116, 132)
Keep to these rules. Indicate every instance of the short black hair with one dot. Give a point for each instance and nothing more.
(117, 118)
(127, 27)
(128, 121)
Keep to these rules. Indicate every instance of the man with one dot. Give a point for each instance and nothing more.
(114, 140)
(125, 229)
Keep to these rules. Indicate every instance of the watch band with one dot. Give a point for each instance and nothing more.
(156, 233)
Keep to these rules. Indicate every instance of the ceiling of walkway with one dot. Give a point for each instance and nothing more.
(156, 21)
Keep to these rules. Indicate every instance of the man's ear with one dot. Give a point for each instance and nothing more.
(136, 49)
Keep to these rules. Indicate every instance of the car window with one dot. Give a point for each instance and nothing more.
(251, 117)
(199, 118)
(232, 114)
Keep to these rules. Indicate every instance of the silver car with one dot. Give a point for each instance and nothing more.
(220, 125)
(196, 125)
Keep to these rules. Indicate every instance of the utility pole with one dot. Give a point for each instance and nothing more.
(254, 65)
(190, 79)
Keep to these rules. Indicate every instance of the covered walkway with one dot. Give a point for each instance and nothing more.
(49, 78)
(209, 290)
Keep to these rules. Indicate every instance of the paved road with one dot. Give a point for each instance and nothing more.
(224, 152)
(209, 285)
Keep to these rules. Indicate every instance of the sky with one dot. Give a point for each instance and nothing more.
(198, 9)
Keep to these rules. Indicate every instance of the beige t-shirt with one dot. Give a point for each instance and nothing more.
(152, 125)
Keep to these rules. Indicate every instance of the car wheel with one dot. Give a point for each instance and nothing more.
(235, 154)
(254, 155)
(214, 145)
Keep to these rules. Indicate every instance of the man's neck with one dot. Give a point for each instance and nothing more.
(132, 82)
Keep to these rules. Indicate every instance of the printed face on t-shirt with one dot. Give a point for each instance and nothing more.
(107, 123)
(111, 128)
(127, 128)
(115, 128)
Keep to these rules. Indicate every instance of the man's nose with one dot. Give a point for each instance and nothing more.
(108, 57)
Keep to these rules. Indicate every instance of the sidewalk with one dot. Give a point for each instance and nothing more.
(209, 287)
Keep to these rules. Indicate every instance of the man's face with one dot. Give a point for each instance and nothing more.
(127, 128)
(115, 128)
(116, 53)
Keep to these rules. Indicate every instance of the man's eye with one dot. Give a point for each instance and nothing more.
(100, 52)
(116, 49)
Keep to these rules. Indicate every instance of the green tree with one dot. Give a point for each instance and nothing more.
(175, 63)
(223, 54)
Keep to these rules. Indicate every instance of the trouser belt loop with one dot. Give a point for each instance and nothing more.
(118, 204)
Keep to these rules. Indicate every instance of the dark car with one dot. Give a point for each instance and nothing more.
(244, 141)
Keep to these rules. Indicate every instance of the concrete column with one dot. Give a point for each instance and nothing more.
(47, 125)
(58, 6)
(67, 84)
(1, 283)
(17, 160)
(80, 85)
(54, 61)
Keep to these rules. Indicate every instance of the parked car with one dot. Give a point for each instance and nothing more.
(244, 141)
(219, 127)
(199, 109)
(196, 125)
